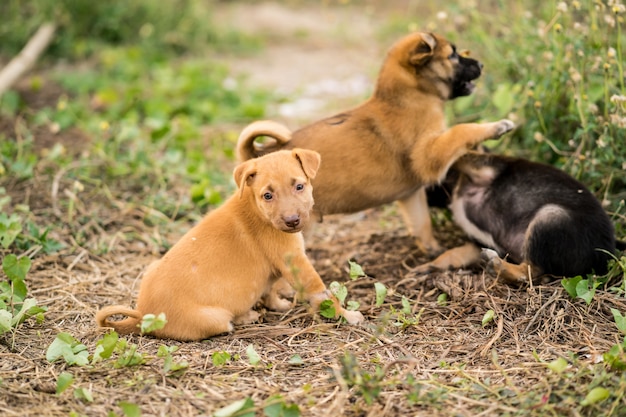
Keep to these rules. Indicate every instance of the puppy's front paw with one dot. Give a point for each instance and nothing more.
(502, 127)
(353, 317)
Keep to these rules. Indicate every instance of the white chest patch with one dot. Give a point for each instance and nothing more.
(458, 211)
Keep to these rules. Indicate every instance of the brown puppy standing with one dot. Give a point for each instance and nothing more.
(224, 265)
(391, 146)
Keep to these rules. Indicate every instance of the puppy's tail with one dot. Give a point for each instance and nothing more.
(247, 148)
(127, 326)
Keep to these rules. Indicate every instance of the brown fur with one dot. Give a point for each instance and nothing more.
(391, 146)
(223, 266)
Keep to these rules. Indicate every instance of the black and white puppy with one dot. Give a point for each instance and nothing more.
(538, 219)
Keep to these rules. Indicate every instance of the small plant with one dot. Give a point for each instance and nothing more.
(577, 287)
(67, 347)
(10, 228)
(15, 307)
(277, 407)
(368, 384)
(170, 367)
(381, 293)
(340, 291)
(220, 358)
(253, 356)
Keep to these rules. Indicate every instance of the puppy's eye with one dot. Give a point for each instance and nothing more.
(268, 196)
(299, 187)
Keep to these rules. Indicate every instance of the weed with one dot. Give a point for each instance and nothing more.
(15, 306)
(170, 367)
(577, 287)
(368, 384)
(220, 358)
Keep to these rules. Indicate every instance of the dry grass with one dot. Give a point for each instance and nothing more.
(443, 363)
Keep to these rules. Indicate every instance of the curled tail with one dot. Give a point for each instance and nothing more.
(127, 326)
(247, 148)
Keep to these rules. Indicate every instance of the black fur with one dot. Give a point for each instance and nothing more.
(572, 239)
(468, 70)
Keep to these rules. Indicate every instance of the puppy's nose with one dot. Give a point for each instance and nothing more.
(292, 221)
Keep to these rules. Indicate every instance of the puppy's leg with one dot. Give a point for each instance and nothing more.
(454, 258)
(197, 323)
(250, 316)
(277, 296)
(307, 281)
(510, 273)
(432, 159)
(416, 216)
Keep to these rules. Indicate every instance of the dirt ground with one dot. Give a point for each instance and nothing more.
(441, 344)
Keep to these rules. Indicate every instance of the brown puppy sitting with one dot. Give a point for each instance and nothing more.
(540, 219)
(224, 265)
(391, 146)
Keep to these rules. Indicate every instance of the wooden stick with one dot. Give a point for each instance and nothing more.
(27, 57)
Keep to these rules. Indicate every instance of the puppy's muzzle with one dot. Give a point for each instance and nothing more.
(292, 221)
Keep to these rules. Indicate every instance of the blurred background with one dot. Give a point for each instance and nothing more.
(141, 102)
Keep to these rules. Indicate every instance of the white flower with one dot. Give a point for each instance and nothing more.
(562, 7)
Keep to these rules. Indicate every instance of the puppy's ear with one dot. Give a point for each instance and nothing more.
(244, 174)
(424, 50)
(309, 161)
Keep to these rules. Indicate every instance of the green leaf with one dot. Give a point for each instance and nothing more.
(5, 321)
(488, 317)
(105, 347)
(253, 356)
(558, 365)
(353, 305)
(64, 380)
(583, 291)
(129, 409)
(28, 309)
(18, 291)
(278, 408)
(596, 395)
(16, 269)
(150, 323)
(570, 285)
(327, 309)
(129, 356)
(83, 394)
(406, 305)
(238, 408)
(442, 299)
(620, 320)
(66, 347)
(504, 98)
(220, 358)
(381, 293)
(356, 271)
(10, 228)
(296, 360)
(339, 290)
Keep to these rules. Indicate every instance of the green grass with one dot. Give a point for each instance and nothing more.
(159, 119)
